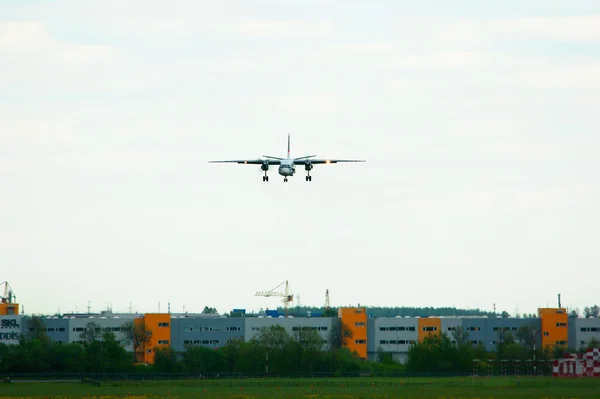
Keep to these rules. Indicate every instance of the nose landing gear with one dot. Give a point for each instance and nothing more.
(285, 179)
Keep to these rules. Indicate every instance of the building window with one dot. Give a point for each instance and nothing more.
(385, 329)
(148, 350)
(163, 324)
(474, 329)
(411, 329)
(322, 328)
(358, 311)
(430, 328)
(383, 342)
(163, 342)
(561, 342)
(359, 324)
(401, 328)
(546, 334)
(561, 324)
(451, 328)
(50, 329)
(233, 328)
(214, 342)
(360, 341)
(62, 329)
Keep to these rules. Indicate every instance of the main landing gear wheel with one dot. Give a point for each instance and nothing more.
(265, 178)
(309, 178)
(285, 179)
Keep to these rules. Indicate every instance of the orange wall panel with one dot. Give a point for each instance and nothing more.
(428, 326)
(555, 331)
(9, 308)
(356, 320)
(160, 325)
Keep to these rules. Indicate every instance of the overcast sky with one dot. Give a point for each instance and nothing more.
(478, 120)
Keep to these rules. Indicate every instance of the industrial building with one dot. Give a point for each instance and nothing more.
(367, 336)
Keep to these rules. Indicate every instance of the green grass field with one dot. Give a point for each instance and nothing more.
(412, 388)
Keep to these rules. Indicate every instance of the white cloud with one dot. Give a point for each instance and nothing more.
(284, 28)
(304, 104)
(574, 28)
(369, 47)
(441, 59)
(484, 33)
(31, 39)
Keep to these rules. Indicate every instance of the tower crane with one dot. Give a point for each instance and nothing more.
(8, 296)
(287, 296)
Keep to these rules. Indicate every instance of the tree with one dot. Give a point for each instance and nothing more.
(137, 334)
(591, 311)
(91, 333)
(272, 337)
(340, 335)
(384, 357)
(36, 330)
(593, 343)
(209, 310)
(527, 336)
(437, 353)
(164, 360)
(310, 344)
(460, 336)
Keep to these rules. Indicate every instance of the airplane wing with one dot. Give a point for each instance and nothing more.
(251, 161)
(324, 161)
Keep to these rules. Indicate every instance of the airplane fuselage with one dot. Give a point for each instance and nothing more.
(287, 168)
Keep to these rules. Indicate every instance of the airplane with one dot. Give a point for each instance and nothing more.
(287, 165)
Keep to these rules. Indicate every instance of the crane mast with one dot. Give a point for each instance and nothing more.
(8, 296)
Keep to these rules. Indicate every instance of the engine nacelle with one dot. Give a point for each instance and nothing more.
(265, 166)
(308, 166)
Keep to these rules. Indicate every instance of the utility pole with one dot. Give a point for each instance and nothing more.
(267, 363)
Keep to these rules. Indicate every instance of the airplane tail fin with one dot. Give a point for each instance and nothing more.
(288, 146)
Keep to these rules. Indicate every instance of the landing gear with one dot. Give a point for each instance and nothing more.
(265, 177)
(308, 167)
(285, 179)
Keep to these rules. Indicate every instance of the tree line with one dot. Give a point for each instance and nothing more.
(273, 351)
(454, 353)
(403, 311)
